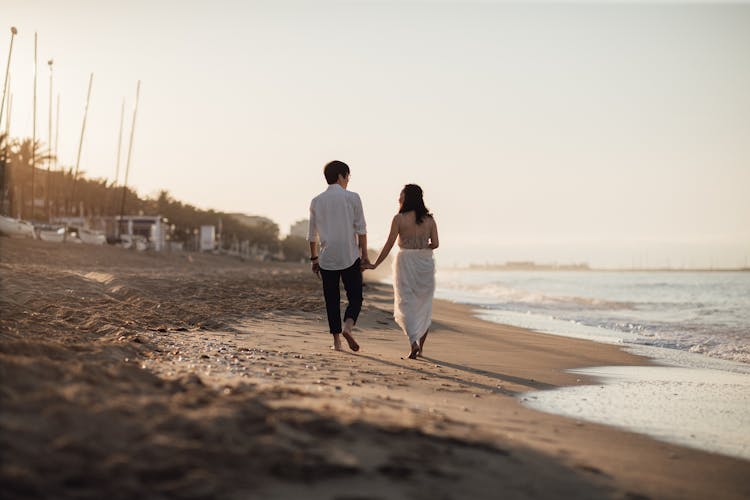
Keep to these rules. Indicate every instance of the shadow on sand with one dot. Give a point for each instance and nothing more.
(421, 367)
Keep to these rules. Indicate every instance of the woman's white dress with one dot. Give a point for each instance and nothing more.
(414, 288)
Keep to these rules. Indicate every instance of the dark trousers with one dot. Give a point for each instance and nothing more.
(352, 278)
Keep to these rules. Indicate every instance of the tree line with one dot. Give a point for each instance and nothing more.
(27, 168)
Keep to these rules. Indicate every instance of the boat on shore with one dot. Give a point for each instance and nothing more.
(135, 241)
(16, 227)
(92, 237)
(47, 233)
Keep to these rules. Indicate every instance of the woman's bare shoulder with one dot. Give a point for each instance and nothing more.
(397, 221)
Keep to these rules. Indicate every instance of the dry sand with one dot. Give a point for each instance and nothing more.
(191, 376)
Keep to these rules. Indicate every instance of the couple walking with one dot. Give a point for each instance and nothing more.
(338, 251)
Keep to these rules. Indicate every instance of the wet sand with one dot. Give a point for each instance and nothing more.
(199, 376)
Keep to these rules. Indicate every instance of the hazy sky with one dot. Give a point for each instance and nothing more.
(616, 134)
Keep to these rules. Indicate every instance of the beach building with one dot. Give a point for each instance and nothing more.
(207, 238)
(151, 227)
(151, 230)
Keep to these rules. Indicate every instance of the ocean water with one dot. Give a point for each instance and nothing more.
(702, 408)
(701, 312)
(695, 325)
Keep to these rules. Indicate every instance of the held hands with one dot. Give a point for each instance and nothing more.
(366, 264)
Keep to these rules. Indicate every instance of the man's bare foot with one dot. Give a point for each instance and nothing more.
(414, 351)
(422, 341)
(336, 342)
(348, 325)
(350, 340)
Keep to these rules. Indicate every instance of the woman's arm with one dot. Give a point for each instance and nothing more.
(434, 240)
(389, 243)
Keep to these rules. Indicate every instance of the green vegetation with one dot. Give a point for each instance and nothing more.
(54, 197)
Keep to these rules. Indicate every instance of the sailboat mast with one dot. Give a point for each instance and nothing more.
(119, 141)
(80, 142)
(130, 149)
(33, 135)
(13, 33)
(7, 151)
(7, 124)
(49, 143)
(57, 134)
(57, 128)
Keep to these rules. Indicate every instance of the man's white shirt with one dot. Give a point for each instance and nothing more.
(336, 218)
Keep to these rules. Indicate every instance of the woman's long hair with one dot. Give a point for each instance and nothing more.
(413, 201)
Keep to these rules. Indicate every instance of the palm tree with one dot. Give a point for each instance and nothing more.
(18, 171)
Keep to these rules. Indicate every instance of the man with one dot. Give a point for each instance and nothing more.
(337, 221)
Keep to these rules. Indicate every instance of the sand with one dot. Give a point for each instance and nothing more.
(128, 374)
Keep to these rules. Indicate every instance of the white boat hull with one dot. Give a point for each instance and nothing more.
(136, 241)
(92, 237)
(16, 227)
(56, 235)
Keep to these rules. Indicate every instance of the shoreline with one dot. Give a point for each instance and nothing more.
(197, 375)
(695, 313)
(570, 371)
(573, 269)
(674, 402)
(666, 356)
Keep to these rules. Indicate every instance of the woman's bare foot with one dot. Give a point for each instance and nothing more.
(422, 341)
(414, 351)
(350, 340)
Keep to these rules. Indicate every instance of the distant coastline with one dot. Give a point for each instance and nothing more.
(585, 267)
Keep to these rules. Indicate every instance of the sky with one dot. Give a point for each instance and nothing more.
(613, 133)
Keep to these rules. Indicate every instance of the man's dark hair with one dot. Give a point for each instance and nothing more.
(334, 169)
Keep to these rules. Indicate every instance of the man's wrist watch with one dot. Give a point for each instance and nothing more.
(313, 259)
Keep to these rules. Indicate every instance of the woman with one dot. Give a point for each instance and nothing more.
(413, 268)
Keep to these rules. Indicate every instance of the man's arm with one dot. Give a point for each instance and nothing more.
(314, 257)
(363, 248)
(313, 249)
(360, 227)
(312, 237)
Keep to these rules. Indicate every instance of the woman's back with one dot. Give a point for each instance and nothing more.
(413, 236)
(413, 267)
